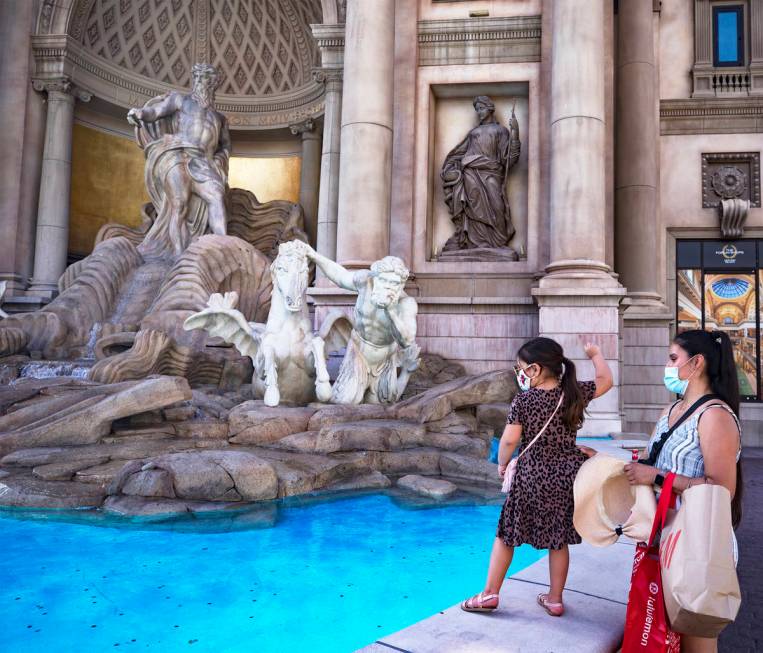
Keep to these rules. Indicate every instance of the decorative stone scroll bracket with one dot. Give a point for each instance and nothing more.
(733, 214)
(731, 185)
(303, 128)
(330, 77)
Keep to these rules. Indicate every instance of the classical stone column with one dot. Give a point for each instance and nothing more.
(15, 28)
(53, 210)
(329, 177)
(310, 173)
(636, 159)
(365, 166)
(646, 320)
(579, 298)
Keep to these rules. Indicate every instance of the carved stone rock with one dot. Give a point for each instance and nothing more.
(429, 487)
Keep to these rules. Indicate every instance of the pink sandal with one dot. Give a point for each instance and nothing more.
(477, 603)
(554, 609)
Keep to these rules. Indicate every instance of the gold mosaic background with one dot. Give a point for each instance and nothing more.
(107, 183)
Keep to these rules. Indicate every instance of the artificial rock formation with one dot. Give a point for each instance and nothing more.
(154, 447)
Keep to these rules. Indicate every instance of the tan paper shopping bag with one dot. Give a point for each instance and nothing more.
(697, 559)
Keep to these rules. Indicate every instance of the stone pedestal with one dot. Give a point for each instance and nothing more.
(579, 299)
(365, 166)
(309, 178)
(53, 210)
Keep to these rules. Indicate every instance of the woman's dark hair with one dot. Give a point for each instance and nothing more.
(718, 352)
(549, 354)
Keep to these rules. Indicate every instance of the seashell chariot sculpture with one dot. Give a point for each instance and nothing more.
(138, 302)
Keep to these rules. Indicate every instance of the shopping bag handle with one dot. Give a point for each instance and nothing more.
(664, 504)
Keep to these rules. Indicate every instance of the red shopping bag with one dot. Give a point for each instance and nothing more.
(646, 622)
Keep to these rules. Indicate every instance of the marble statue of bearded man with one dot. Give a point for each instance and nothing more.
(474, 181)
(383, 336)
(187, 146)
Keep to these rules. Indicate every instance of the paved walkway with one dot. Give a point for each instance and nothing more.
(745, 635)
(595, 598)
(596, 592)
(593, 623)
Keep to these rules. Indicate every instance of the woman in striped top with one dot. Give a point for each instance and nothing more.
(705, 445)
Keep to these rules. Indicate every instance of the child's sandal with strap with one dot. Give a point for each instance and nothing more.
(554, 609)
(477, 603)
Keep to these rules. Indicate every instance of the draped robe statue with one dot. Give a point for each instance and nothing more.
(474, 181)
(187, 146)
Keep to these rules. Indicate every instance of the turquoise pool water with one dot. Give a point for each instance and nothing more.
(331, 576)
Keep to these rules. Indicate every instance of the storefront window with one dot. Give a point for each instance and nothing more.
(718, 288)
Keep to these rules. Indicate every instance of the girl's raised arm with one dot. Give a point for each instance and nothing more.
(603, 373)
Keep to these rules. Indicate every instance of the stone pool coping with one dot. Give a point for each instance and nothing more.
(595, 600)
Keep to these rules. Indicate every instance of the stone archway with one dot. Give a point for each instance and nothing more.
(126, 51)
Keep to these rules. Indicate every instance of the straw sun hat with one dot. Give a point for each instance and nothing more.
(606, 506)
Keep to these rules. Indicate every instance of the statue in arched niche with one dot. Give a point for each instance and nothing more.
(474, 180)
(187, 146)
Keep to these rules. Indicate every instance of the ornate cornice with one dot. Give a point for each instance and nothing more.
(328, 36)
(479, 40)
(56, 56)
(711, 116)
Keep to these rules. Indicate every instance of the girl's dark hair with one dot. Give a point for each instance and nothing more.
(718, 352)
(549, 354)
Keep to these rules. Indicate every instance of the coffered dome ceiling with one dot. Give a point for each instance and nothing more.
(127, 51)
(263, 47)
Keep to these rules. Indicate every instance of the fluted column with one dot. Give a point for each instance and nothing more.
(328, 198)
(310, 173)
(579, 298)
(52, 236)
(365, 167)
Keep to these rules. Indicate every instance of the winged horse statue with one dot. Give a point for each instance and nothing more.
(289, 361)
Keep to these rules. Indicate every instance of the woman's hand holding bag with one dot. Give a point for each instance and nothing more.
(702, 593)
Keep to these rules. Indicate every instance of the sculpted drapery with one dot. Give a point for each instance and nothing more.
(474, 181)
(187, 147)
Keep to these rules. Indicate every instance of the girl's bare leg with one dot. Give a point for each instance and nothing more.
(558, 566)
(500, 560)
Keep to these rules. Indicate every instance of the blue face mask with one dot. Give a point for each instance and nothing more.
(672, 381)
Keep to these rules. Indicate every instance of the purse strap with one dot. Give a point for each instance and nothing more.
(654, 452)
(543, 430)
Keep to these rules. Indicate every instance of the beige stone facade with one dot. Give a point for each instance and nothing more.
(616, 108)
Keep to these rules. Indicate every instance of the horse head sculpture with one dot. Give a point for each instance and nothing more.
(290, 273)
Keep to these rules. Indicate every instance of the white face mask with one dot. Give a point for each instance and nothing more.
(673, 382)
(524, 381)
